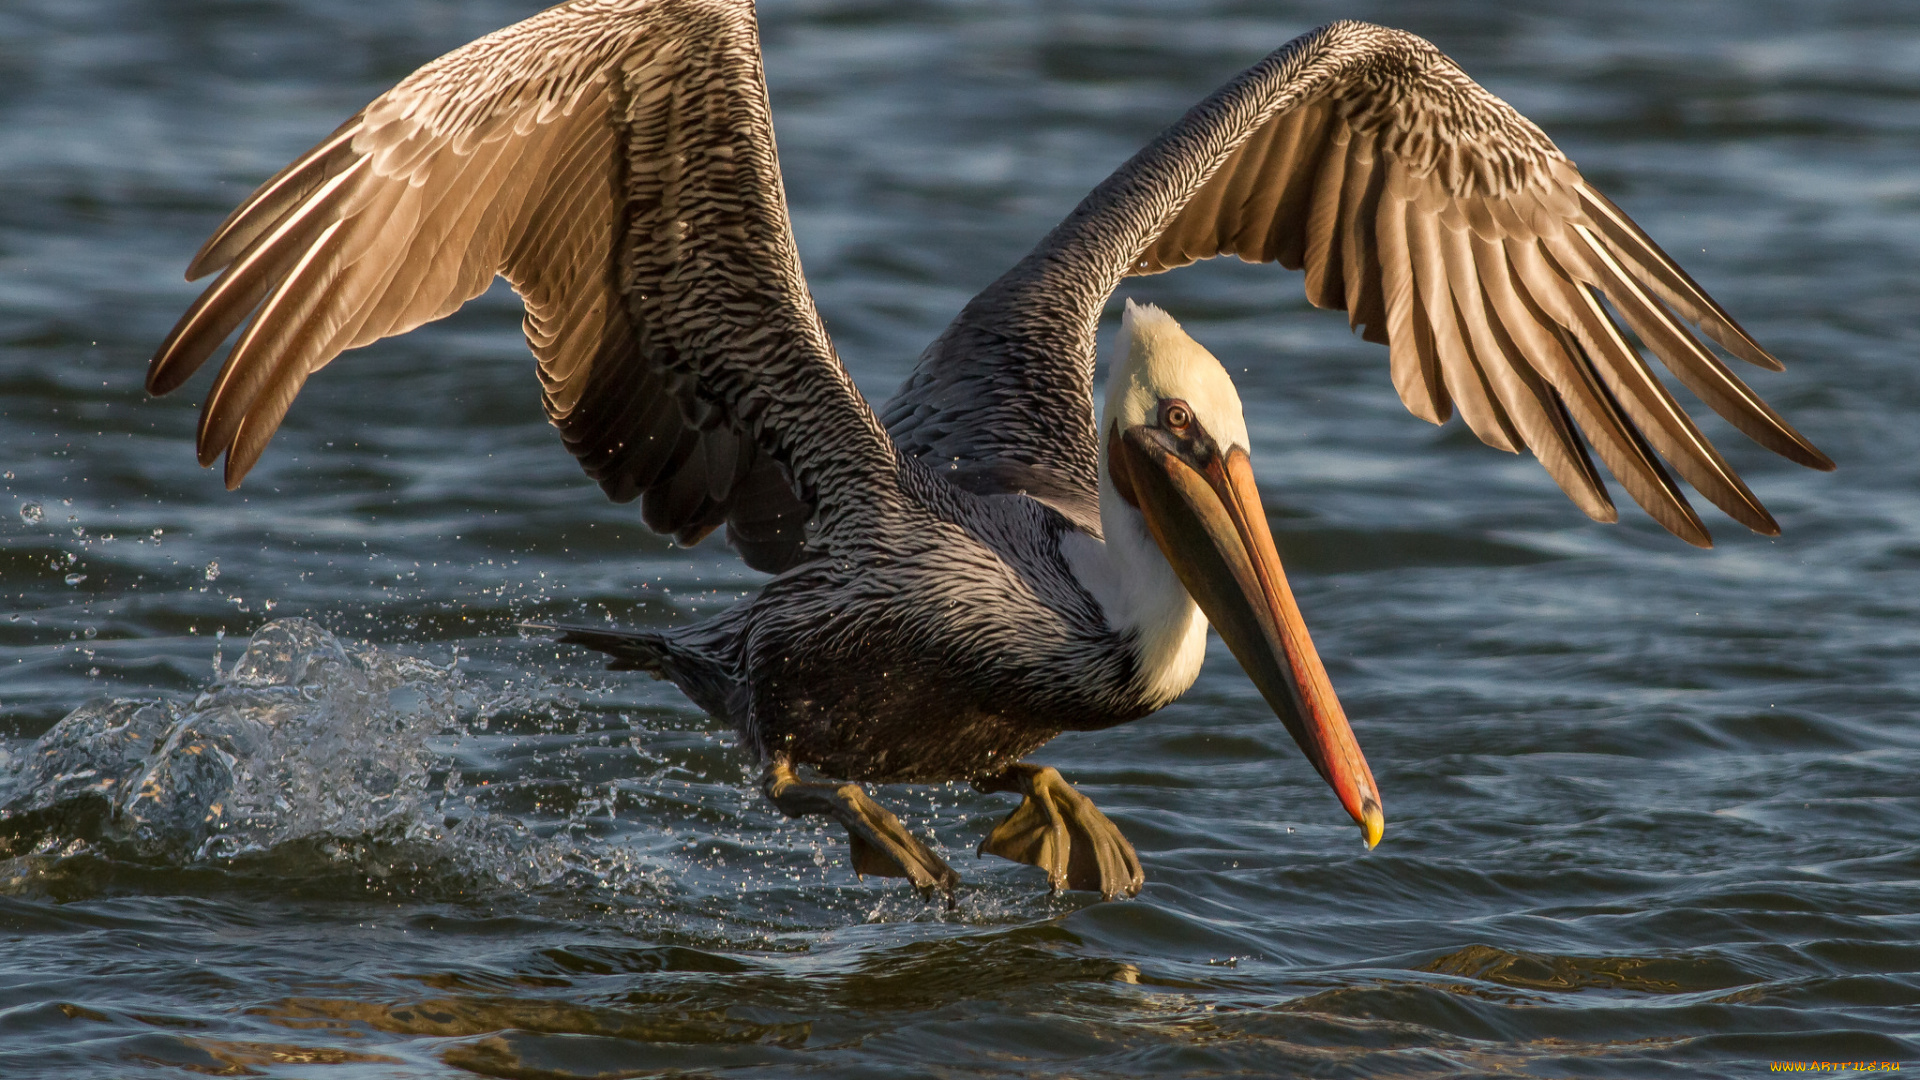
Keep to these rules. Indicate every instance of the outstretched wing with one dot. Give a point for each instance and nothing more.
(1446, 224)
(614, 160)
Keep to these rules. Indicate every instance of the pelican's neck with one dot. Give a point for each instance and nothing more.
(1139, 592)
(1141, 596)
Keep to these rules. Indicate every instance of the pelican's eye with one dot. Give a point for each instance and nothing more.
(1175, 416)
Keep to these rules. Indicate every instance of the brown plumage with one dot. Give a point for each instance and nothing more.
(955, 583)
(1449, 228)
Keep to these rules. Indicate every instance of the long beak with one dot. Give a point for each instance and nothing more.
(1211, 527)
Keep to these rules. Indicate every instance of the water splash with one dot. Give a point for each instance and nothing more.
(319, 765)
(309, 758)
(304, 737)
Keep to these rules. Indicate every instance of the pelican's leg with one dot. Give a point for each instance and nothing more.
(1060, 831)
(881, 846)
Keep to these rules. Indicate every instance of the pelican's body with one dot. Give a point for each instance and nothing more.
(941, 651)
(980, 564)
(956, 642)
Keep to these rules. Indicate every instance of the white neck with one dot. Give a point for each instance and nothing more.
(1139, 592)
(1127, 574)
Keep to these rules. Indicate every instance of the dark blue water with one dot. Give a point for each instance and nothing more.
(1651, 810)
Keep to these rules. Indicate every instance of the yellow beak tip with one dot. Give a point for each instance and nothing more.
(1373, 823)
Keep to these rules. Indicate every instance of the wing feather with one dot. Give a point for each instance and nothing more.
(245, 283)
(1359, 244)
(1645, 402)
(1447, 225)
(613, 159)
(269, 205)
(292, 301)
(1426, 244)
(1507, 397)
(1665, 277)
(1273, 232)
(1411, 349)
(1326, 284)
(1559, 356)
(1536, 409)
(1684, 355)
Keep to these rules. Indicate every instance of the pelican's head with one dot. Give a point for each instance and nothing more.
(1175, 444)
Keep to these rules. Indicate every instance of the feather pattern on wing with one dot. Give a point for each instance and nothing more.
(1443, 222)
(614, 161)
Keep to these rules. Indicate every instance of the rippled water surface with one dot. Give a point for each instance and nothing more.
(1651, 810)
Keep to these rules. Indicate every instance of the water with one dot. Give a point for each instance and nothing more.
(1650, 810)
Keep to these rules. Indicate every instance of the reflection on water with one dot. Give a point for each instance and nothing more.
(1650, 809)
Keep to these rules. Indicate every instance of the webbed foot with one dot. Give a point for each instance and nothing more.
(881, 845)
(1060, 831)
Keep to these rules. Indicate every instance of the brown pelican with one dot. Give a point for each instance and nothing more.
(976, 566)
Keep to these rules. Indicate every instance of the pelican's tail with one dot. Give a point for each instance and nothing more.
(632, 650)
(687, 658)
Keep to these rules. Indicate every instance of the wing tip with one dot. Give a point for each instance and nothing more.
(198, 268)
(204, 261)
(1688, 525)
(173, 365)
(1595, 503)
(237, 469)
(1762, 523)
(1678, 515)
(1730, 335)
(165, 373)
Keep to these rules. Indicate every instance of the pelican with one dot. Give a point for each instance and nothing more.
(978, 565)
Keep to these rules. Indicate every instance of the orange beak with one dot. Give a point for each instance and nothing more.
(1204, 512)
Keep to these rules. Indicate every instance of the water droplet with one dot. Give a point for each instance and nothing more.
(213, 570)
(90, 633)
(31, 513)
(75, 579)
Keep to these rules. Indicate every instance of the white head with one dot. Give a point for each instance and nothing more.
(1153, 359)
(1186, 534)
(1157, 361)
